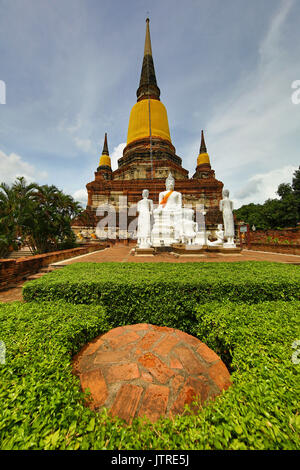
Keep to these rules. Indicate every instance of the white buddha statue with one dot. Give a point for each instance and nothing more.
(169, 200)
(145, 210)
(190, 228)
(220, 237)
(167, 215)
(226, 207)
(172, 222)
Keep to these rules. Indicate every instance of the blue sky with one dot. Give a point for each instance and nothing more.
(72, 67)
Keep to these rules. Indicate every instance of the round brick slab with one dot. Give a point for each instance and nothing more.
(146, 370)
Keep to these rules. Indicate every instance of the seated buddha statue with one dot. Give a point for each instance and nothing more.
(169, 200)
(167, 215)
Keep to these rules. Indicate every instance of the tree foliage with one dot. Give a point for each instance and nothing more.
(275, 213)
(296, 188)
(40, 216)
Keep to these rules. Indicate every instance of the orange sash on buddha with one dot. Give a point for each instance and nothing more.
(165, 198)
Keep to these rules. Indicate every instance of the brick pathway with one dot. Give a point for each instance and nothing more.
(12, 294)
(146, 370)
(121, 253)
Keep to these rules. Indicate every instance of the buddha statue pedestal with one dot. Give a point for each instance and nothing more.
(164, 232)
(143, 251)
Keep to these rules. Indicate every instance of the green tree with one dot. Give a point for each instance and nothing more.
(296, 181)
(275, 213)
(296, 189)
(284, 190)
(50, 229)
(15, 205)
(252, 214)
(8, 227)
(40, 215)
(280, 213)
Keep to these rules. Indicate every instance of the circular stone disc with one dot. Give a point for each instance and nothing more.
(146, 370)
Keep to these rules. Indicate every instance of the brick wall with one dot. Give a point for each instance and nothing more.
(12, 270)
(284, 249)
(285, 241)
(290, 234)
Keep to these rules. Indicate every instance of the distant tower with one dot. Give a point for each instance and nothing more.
(104, 168)
(203, 169)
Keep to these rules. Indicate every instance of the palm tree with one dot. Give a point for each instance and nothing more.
(54, 211)
(40, 215)
(8, 217)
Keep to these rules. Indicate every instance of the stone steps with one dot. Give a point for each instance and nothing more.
(47, 269)
(35, 276)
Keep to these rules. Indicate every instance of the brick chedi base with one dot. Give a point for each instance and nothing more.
(149, 371)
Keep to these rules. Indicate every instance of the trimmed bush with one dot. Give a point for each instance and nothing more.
(42, 406)
(40, 398)
(149, 291)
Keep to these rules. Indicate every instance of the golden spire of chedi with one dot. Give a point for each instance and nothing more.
(148, 116)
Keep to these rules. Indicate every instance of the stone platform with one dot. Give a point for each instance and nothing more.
(186, 250)
(231, 251)
(149, 371)
(121, 253)
(181, 249)
(143, 251)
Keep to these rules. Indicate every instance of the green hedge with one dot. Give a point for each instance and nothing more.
(42, 406)
(140, 291)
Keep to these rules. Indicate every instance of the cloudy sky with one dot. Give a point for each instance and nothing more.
(72, 67)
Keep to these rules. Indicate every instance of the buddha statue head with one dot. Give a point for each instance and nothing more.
(170, 182)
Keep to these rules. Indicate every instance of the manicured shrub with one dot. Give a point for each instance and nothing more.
(42, 406)
(148, 291)
(38, 394)
(261, 409)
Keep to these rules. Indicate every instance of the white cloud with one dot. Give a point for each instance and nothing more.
(271, 42)
(264, 186)
(73, 130)
(254, 129)
(81, 196)
(12, 166)
(84, 144)
(78, 124)
(88, 82)
(116, 154)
